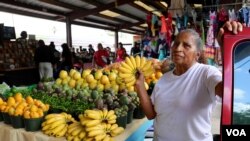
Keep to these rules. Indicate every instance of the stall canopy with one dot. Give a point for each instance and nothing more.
(116, 15)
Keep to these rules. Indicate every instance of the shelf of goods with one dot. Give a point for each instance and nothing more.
(135, 131)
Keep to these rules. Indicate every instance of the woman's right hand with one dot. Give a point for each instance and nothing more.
(139, 80)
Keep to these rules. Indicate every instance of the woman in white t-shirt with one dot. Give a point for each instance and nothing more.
(182, 99)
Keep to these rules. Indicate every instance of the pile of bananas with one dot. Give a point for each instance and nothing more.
(56, 124)
(100, 125)
(76, 132)
(130, 67)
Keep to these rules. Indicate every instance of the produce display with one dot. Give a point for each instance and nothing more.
(83, 105)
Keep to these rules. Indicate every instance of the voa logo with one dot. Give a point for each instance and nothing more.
(236, 132)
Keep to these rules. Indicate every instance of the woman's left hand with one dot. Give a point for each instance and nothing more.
(232, 26)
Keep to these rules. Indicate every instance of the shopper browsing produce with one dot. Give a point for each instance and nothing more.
(182, 99)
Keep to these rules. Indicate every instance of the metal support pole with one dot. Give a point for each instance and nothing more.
(68, 31)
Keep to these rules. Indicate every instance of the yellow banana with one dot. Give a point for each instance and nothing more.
(129, 79)
(91, 111)
(51, 120)
(76, 139)
(70, 130)
(82, 134)
(108, 126)
(70, 138)
(113, 126)
(93, 123)
(131, 83)
(100, 137)
(58, 129)
(96, 116)
(138, 61)
(129, 63)
(107, 138)
(143, 62)
(117, 131)
(125, 65)
(74, 124)
(105, 112)
(110, 113)
(53, 116)
(147, 66)
(89, 139)
(111, 121)
(97, 127)
(112, 117)
(148, 72)
(57, 123)
(124, 75)
(95, 132)
(132, 59)
(47, 132)
(124, 70)
(76, 131)
(62, 133)
(46, 127)
(44, 124)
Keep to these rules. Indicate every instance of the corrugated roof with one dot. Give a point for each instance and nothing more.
(87, 12)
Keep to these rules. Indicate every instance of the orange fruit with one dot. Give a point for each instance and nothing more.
(18, 112)
(1, 101)
(26, 114)
(11, 111)
(34, 115)
(33, 108)
(72, 83)
(29, 100)
(11, 101)
(158, 75)
(18, 97)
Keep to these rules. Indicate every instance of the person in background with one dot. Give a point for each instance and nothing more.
(44, 59)
(183, 98)
(110, 55)
(91, 51)
(100, 57)
(120, 53)
(22, 40)
(67, 58)
(57, 57)
(135, 50)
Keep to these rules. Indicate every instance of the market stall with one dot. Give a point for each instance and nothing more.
(76, 106)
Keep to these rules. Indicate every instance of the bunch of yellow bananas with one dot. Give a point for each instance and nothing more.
(100, 125)
(95, 117)
(56, 124)
(76, 132)
(130, 67)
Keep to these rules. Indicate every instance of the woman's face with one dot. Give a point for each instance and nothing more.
(184, 51)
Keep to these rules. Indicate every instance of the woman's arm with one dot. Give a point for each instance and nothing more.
(145, 100)
(234, 27)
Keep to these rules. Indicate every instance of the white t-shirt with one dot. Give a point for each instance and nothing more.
(184, 104)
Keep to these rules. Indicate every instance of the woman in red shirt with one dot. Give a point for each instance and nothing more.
(120, 53)
(100, 57)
